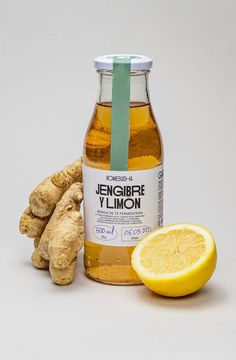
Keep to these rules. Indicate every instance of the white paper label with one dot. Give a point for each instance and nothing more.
(120, 207)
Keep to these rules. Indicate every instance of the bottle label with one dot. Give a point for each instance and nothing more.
(120, 207)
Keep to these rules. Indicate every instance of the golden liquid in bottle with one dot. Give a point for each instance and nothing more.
(111, 264)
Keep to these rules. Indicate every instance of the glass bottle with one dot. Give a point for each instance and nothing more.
(120, 207)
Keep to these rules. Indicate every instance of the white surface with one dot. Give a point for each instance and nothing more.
(138, 62)
(48, 92)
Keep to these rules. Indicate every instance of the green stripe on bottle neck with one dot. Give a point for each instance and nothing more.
(119, 152)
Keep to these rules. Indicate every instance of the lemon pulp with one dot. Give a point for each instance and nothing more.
(173, 251)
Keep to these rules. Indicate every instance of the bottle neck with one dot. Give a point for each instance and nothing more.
(139, 92)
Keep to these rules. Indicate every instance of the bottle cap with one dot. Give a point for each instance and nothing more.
(138, 62)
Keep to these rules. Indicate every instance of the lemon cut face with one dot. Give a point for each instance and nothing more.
(175, 260)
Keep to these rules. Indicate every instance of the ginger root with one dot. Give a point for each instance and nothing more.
(32, 225)
(63, 276)
(63, 235)
(36, 242)
(54, 220)
(38, 261)
(46, 195)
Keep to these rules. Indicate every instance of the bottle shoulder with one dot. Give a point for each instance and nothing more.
(145, 142)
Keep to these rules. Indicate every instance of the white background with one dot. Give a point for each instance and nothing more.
(48, 91)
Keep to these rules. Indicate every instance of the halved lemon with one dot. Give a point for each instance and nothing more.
(175, 260)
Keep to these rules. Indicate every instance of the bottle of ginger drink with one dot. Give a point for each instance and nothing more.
(122, 169)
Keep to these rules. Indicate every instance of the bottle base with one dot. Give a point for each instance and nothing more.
(113, 274)
(119, 283)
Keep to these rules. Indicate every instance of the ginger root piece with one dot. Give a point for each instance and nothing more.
(32, 225)
(46, 195)
(36, 242)
(63, 276)
(67, 241)
(63, 236)
(38, 261)
(54, 221)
